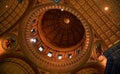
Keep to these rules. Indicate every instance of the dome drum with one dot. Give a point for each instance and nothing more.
(63, 38)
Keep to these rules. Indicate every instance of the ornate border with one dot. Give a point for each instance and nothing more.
(20, 64)
(41, 60)
(12, 35)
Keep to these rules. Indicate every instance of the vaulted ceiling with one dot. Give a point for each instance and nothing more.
(57, 36)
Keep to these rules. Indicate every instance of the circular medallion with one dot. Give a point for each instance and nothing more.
(99, 48)
(15, 66)
(9, 42)
(56, 38)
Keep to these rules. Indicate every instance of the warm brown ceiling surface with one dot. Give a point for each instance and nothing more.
(44, 34)
(57, 36)
(61, 28)
(10, 12)
(15, 66)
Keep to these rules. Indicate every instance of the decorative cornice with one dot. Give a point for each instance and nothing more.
(40, 58)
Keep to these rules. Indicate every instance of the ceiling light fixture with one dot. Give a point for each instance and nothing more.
(62, 9)
(6, 6)
(33, 40)
(41, 48)
(106, 8)
(59, 56)
(49, 54)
